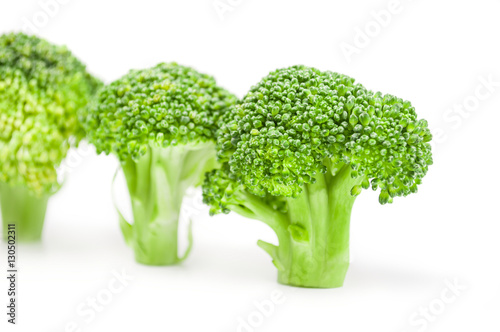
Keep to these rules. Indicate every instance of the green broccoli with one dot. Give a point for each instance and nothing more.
(161, 124)
(295, 153)
(41, 88)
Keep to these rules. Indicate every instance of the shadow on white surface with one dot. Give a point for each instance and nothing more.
(369, 275)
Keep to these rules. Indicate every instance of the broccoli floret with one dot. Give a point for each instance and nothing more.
(41, 88)
(161, 124)
(295, 153)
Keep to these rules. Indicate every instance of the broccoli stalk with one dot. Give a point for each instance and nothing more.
(160, 123)
(297, 151)
(318, 233)
(157, 183)
(41, 88)
(20, 206)
(313, 229)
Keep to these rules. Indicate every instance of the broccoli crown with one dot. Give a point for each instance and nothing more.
(166, 105)
(41, 88)
(298, 122)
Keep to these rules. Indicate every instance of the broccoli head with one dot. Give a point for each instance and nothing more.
(161, 123)
(298, 149)
(42, 86)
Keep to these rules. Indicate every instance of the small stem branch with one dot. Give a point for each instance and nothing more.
(262, 211)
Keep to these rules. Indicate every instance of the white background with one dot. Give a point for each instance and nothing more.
(434, 53)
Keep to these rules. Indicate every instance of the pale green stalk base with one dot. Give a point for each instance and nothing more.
(313, 235)
(321, 262)
(325, 206)
(157, 184)
(24, 209)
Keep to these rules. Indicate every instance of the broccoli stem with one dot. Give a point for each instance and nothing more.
(318, 256)
(313, 246)
(157, 183)
(24, 209)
